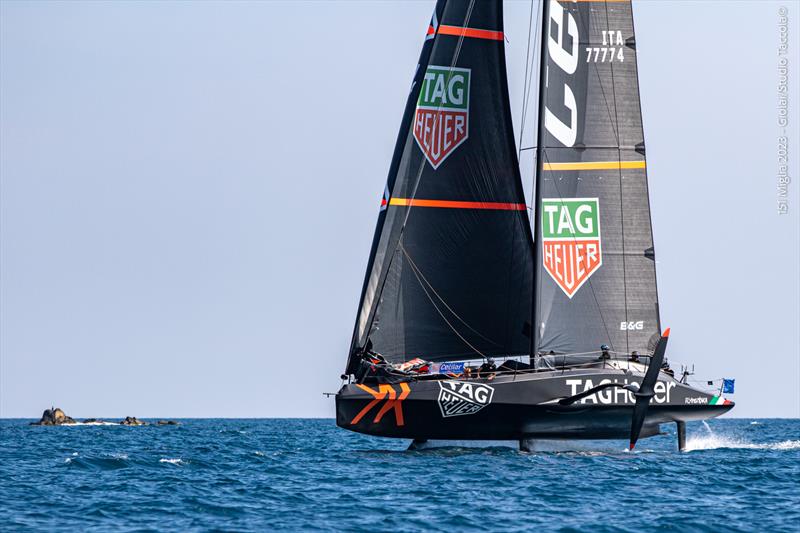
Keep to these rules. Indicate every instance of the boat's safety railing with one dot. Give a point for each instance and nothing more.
(558, 364)
(619, 361)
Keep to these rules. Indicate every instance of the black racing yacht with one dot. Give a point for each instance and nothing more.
(483, 318)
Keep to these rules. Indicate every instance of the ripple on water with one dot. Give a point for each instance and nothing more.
(309, 475)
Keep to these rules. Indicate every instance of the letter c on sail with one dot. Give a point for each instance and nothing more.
(567, 60)
(566, 135)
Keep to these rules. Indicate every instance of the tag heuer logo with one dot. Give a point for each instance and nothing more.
(441, 121)
(571, 241)
(457, 398)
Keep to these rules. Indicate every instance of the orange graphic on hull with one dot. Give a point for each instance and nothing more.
(384, 392)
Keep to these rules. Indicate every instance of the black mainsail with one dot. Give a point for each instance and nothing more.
(449, 276)
(596, 281)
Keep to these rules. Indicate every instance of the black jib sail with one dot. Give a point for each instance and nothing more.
(449, 275)
(596, 280)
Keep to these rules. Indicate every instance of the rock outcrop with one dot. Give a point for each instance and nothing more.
(133, 421)
(54, 417)
(57, 417)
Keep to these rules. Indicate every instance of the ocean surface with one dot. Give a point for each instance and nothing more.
(292, 474)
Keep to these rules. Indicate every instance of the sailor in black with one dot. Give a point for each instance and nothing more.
(604, 352)
(487, 369)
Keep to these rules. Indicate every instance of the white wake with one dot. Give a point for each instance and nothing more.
(713, 441)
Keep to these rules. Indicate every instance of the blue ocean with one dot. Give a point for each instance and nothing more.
(306, 475)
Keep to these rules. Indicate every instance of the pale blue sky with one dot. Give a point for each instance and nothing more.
(189, 191)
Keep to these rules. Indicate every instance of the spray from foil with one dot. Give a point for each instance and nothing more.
(713, 441)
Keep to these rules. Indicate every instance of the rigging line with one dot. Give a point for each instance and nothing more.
(510, 268)
(508, 297)
(439, 297)
(526, 100)
(614, 125)
(537, 324)
(591, 285)
(621, 197)
(646, 184)
(465, 341)
(456, 54)
(536, 41)
(525, 83)
(539, 15)
(417, 180)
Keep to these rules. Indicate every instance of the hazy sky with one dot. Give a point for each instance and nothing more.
(189, 192)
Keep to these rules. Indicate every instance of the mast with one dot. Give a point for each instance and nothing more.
(537, 194)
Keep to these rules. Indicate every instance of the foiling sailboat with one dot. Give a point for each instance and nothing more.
(459, 275)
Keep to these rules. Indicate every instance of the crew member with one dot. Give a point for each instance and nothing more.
(487, 369)
(604, 352)
(634, 356)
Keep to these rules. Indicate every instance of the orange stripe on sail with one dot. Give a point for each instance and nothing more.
(471, 32)
(451, 204)
(594, 165)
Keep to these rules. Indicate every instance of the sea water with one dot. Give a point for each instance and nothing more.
(260, 475)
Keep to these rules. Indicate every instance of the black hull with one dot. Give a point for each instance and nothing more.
(524, 406)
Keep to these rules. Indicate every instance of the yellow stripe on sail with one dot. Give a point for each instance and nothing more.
(595, 165)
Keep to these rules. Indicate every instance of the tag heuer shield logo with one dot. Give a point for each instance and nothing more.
(571, 241)
(441, 121)
(457, 398)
